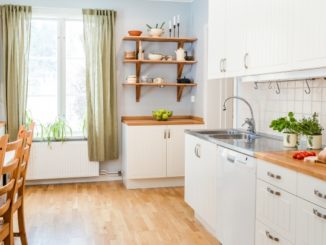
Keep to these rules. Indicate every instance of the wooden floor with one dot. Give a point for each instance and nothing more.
(107, 213)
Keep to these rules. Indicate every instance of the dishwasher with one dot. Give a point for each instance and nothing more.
(238, 197)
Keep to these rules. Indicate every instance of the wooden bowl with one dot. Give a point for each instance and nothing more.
(134, 33)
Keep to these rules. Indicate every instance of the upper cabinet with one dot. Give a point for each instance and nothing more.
(252, 37)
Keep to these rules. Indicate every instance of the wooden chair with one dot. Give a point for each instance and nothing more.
(18, 203)
(7, 191)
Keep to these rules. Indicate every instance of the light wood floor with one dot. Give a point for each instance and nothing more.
(107, 213)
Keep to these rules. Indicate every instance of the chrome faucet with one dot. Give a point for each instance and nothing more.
(249, 121)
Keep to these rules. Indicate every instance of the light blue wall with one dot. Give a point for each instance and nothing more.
(134, 14)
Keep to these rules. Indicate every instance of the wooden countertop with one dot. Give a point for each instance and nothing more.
(284, 159)
(148, 120)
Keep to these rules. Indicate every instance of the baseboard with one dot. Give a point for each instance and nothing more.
(101, 178)
(153, 183)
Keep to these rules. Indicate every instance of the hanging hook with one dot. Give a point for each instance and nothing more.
(278, 91)
(256, 85)
(309, 90)
(270, 85)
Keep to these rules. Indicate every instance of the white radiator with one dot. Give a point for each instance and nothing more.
(60, 161)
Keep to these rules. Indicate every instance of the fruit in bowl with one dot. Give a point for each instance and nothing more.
(162, 114)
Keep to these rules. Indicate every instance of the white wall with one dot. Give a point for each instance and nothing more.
(134, 14)
(268, 105)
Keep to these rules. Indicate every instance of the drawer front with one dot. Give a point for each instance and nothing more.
(311, 224)
(281, 177)
(276, 208)
(312, 189)
(267, 236)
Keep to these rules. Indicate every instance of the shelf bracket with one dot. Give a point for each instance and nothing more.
(179, 92)
(180, 70)
(138, 71)
(138, 93)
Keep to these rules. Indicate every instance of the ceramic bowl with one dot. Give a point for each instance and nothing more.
(152, 56)
(155, 32)
(135, 33)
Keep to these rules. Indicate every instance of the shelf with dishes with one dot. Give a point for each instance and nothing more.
(137, 57)
(180, 87)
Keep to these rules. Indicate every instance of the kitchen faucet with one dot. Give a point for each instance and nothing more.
(250, 121)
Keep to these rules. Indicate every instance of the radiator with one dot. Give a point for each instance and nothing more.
(60, 161)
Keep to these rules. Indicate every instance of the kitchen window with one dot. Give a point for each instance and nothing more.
(57, 73)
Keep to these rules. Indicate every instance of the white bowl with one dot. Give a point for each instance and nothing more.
(156, 32)
(155, 56)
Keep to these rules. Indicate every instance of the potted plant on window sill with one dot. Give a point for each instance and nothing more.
(311, 128)
(290, 128)
(56, 131)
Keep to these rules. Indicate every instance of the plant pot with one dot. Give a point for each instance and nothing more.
(314, 142)
(290, 140)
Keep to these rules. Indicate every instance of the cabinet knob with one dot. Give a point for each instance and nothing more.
(274, 176)
(276, 193)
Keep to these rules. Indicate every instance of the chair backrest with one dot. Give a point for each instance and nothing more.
(10, 169)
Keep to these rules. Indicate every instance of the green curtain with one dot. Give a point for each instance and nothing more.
(102, 121)
(15, 29)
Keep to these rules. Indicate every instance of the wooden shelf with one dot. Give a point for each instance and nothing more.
(180, 87)
(161, 39)
(160, 62)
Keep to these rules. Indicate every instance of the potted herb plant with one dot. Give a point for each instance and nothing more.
(311, 128)
(290, 128)
(56, 131)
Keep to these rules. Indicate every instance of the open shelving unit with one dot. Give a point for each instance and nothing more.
(138, 85)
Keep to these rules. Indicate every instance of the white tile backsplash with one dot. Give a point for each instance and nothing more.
(267, 105)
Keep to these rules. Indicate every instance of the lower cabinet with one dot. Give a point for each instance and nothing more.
(277, 209)
(311, 224)
(153, 152)
(267, 236)
(201, 163)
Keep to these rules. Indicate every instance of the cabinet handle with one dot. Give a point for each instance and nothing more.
(272, 237)
(245, 58)
(169, 134)
(274, 176)
(318, 214)
(164, 134)
(319, 194)
(276, 193)
(197, 150)
(221, 63)
(224, 65)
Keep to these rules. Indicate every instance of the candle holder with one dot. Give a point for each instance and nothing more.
(174, 30)
(170, 31)
(178, 29)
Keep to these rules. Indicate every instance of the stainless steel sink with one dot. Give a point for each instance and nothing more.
(235, 136)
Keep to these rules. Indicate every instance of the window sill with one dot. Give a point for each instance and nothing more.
(66, 140)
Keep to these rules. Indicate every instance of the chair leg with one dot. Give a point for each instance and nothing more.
(21, 225)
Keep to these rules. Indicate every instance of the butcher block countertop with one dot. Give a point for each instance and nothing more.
(148, 120)
(284, 159)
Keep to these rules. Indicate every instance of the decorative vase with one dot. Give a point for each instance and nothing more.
(314, 142)
(290, 140)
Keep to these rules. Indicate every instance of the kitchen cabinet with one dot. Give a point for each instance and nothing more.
(266, 236)
(216, 38)
(201, 163)
(153, 151)
(309, 28)
(311, 224)
(277, 209)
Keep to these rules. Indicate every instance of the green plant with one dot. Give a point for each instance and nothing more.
(56, 131)
(287, 124)
(311, 125)
(156, 26)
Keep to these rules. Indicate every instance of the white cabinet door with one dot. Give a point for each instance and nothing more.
(311, 224)
(146, 152)
(309, 34)
(266, 236)
(175, 165)
(200, 179)
(235, 43)
(216, 38)
(276, 208)
(192, 166)
(269, 35)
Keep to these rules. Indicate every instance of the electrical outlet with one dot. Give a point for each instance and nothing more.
(193, 99)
